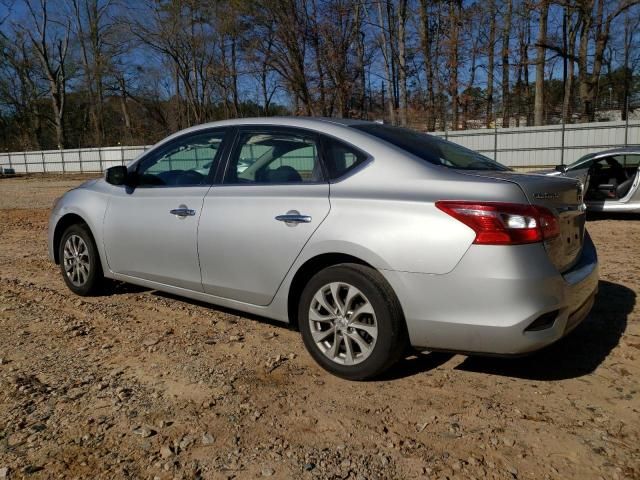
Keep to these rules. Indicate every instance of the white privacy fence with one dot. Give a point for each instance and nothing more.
(524, 147)
(77, 160)
(548, 145)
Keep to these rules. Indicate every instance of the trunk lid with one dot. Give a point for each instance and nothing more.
(564, 197)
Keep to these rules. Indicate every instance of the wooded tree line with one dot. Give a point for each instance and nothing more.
(77, 73)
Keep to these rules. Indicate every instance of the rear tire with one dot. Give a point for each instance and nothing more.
(351, 321)
(80, 261)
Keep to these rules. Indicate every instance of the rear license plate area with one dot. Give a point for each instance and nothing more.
(572, 234)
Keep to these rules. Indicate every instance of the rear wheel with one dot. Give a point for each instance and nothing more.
(351, 321)
(79, 261)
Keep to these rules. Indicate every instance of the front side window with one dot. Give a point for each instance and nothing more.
(432, 149)
(183, 162)
(274, 158)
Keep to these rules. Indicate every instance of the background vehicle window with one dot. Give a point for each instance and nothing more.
(582, 162)
(274, 158)
(341, 158)
(629, 161)
(183, 162)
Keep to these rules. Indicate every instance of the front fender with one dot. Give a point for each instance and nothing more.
(90, 206)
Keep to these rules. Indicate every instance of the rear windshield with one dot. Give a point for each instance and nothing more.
(432, 149)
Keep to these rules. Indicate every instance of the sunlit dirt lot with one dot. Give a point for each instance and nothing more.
(139, 384)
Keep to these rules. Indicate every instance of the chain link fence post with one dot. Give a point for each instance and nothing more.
(626, 122)
(562, 141)
(495, 139)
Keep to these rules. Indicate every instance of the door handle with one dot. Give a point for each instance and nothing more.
(182, 212)
(293, 218)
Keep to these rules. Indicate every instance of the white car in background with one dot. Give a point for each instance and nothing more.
(611, 179)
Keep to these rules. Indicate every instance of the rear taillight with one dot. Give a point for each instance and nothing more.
(504, 223)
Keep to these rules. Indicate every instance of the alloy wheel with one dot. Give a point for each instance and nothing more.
(343, 323)
(76, 260)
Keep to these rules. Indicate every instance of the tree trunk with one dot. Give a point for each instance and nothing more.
(387, 65)
(569, 54)
(506, 35)
(402, 61)
(124, 108)
(490, 62)
(454, 21)
(430, 59)
(538, 109)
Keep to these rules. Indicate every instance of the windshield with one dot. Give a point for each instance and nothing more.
(432, 149)
(580, 161)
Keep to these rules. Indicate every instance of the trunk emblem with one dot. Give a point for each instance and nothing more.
(546, 196)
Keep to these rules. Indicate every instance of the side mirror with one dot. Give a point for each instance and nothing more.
(561, 168)
(117, 175)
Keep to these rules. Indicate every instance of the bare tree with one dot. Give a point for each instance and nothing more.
(506, 38)
(491, 46)
(594, 23)
(543, 6)
(19, 88)
(98, 50)
(52, 54)
(402, 61)
(385, 24)
(453, 54)
(432, 31)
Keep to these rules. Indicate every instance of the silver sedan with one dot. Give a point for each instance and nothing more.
(369, 238)
(611, 179)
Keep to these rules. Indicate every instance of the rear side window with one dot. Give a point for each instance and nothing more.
(432, 149)
(264, 157)
(341, 158)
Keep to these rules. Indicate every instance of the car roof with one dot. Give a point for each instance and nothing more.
(618, 151)
(289, 121)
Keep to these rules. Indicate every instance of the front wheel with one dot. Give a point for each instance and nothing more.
(79, 261)
(351, 321)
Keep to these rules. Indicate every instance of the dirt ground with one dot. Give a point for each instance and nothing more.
(138, 384)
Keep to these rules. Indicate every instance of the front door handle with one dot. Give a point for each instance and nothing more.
(182, 212)
(291, 218)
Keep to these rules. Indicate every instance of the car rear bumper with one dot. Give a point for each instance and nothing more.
(488, 304)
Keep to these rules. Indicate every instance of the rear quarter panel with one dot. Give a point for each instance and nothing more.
(395, 225)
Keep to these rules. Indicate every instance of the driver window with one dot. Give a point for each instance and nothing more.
(184, 162)
(274, 158)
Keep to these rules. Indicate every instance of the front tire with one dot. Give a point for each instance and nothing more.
(351, 321)
(79, 261)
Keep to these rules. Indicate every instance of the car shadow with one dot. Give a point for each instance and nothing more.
(120, 288)
(225, 310)
(579, 353)
(416, 363)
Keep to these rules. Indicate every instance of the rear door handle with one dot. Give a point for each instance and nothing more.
(182, 212)
(293, 218)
